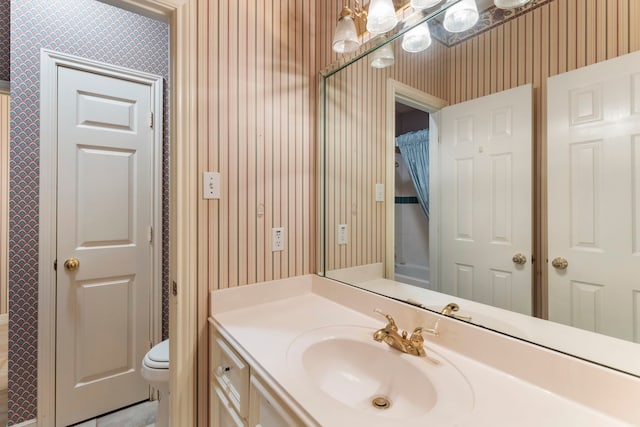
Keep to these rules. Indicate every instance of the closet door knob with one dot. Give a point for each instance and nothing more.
(72, 264)
(519, 259)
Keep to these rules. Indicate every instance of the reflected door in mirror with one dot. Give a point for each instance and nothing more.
(594, 197)
(486, 200)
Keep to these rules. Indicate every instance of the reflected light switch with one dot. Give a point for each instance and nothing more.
(379, 192)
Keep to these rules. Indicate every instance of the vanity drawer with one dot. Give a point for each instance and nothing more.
(222, 412)
(231, 373)
(267, 410)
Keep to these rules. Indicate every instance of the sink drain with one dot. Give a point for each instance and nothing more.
(381, 402)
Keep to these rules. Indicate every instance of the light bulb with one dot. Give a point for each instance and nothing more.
(345, 38)
(510, 4)
(424, 4)
(461, 16)
(383, 57)
(381, 16)
(417, 39)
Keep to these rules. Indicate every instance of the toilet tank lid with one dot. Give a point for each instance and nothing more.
(159, 352)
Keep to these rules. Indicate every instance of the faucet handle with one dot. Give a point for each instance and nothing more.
(452, 307)
(417, 340)
(392, 322)
(429, 331)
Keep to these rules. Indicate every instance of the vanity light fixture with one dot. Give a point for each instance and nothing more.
(461, 16)
(383, 57)
(417, 39)
(509, 4)
(423, 4)
(345, 38)
(381, 17)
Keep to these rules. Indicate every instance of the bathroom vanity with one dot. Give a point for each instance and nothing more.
(301, 351)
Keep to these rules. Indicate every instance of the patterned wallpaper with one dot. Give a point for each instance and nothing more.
(5, 28)
(84, 28)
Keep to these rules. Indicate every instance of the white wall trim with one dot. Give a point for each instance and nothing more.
(50, 61)
(397, 91)
(28, 423)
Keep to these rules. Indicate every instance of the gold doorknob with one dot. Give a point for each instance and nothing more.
(72, 264)
(519, 259)
(560, 263)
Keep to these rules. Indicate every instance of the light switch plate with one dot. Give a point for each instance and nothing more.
(342, 234)
(277, 239)
(211, 185)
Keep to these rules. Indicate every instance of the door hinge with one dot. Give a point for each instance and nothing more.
(151, 119)
(55, 265)
(150, 345)
(150, 234)
(174, 288)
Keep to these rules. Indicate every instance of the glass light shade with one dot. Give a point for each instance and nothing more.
(510, 4)
(424, 4)
(345, 39)
(383, 57)
(417, 39)
(461, 16)
(381, 16)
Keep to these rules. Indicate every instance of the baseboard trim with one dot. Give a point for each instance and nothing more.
(29, 423)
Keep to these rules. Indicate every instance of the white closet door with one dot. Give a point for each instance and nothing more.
(105, 165)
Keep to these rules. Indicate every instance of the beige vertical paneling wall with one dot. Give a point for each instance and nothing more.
(356, 135)
(557, 37)
(257, 106)
(257, 80)
(4, 201)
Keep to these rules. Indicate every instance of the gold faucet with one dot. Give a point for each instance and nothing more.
(413, 345)
(452, 307)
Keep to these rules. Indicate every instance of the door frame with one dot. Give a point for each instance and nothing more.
(50, 61)
(398, 91)
(184, 315)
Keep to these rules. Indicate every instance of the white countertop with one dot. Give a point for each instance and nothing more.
(263, 320)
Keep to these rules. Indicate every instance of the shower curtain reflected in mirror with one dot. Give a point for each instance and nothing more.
(414, 147)
(411, 263)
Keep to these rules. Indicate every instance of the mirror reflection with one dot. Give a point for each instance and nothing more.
(453, 173)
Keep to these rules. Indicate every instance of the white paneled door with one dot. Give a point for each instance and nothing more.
(486, 199)
(594, 197)
(104, 267)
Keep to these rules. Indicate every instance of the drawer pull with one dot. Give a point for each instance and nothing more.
(222, 369)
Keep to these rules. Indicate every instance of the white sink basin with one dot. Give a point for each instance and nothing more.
(346, 364)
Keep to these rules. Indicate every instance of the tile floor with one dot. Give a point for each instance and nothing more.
(140, 415)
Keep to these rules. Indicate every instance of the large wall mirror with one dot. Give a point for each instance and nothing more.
(498, 169)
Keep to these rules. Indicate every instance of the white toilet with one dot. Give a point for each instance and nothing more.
(155, 370)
